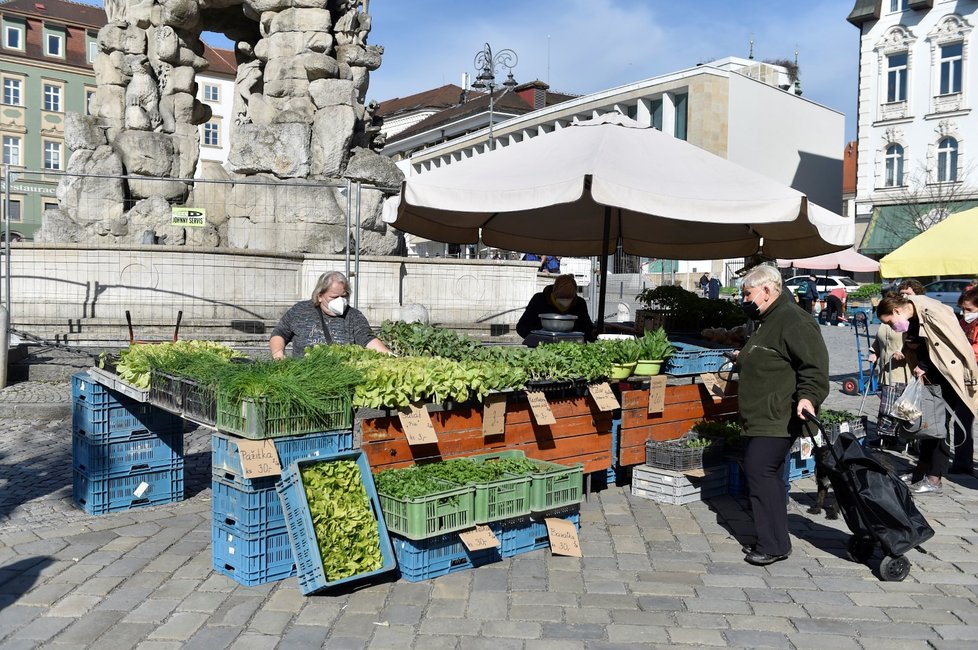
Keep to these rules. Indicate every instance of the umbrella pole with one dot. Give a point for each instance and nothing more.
(604, 266)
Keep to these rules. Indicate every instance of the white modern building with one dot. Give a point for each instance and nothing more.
(215, 87)
(917, 130)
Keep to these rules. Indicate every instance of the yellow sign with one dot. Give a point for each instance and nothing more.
(188, 217)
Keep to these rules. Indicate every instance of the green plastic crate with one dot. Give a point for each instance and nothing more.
(555, 485)
(504, 498)
(258, 418)
(432, 514)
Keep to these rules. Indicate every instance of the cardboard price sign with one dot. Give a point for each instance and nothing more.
(604, 397)
(479, 538)
(417, 425)
(717, 386)
(258, 458)
(657, 394)
(494, 415)
(540, 407)
(563, 537)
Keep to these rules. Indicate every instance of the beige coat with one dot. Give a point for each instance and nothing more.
(950, 352)
(886, 344)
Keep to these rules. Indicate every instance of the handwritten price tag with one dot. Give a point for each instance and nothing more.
(540, 407)
(479, 538)
(563, 537)
(417, 425)
(657, 394)
(604, 397)
(717, 385)
(258, 458)
(494, 415)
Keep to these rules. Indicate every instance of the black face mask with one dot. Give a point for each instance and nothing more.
(751, 309)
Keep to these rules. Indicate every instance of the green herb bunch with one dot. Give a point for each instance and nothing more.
(655, 346)
(623, 352)
(419, 340)
(430, 478)
(726, 430)
(203, 361)
(829, 416)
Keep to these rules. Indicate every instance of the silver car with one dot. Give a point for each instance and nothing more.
(947, 291)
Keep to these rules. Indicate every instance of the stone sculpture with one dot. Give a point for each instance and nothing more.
(299, 129)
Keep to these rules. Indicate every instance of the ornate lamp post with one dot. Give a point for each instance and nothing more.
(487, 64)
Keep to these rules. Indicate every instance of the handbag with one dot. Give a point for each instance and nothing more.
(933, 410)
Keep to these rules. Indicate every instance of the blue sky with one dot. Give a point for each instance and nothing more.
(599, 44)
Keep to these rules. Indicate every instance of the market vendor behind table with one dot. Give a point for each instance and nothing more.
(325, 318)
(560, 298)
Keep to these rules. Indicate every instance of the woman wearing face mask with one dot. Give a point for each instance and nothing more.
(325, 318)
(944, 358)
(784, 371)
(560, 298)
(968, 302)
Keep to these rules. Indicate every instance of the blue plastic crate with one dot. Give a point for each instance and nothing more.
(141, 451)
(102, 424)
(526, 534)
(422, 559)
(691, 359)
(797, 468)
(247, 511)
(87, 390)
(226, 463)
(251, 559)
(312, 576)
(98, 496)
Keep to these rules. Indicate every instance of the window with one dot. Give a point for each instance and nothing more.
(54, 45)
(951, 68)
(894, 166)
(681, 102)
(92, 51)
(212, 93)
(898, 5)
(947, 160)
(49, 204)
(15, 214)
(12, 91)
(896, 77)
(52, 155)
(212, 134)
(11, 150)
(52, 98)
(13, 37)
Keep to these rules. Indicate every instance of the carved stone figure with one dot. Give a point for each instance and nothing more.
(142, 98)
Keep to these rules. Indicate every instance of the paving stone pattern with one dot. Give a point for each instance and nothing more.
(651, 575)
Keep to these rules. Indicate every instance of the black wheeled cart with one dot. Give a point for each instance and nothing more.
(876, 505)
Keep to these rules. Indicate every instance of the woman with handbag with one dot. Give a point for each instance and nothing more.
(944, 359)
(896, 371)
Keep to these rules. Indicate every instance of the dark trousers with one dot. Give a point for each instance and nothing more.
(806, 304)
(764, 469)
(933, 459)
(833, 309)
(964, 442)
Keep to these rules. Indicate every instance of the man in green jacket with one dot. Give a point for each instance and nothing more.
(784, 371)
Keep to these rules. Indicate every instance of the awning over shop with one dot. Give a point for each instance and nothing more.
(891, 226)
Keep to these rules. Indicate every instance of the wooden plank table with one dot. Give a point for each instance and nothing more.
(582, 434)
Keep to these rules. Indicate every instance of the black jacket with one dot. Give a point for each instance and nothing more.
(540, 303)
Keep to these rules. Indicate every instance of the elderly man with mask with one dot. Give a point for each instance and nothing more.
(560, 298)
(784, 371)
(325, 318)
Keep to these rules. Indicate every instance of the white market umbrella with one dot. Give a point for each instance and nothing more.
(845, 260)
(577, 190)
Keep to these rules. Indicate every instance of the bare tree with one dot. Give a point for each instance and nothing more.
(923, 202)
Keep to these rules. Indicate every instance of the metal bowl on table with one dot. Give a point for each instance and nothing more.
(558, 322)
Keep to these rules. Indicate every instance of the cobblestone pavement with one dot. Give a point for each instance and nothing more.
(651, 575)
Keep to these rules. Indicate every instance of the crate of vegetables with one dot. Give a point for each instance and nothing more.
(417, 505)
(333, 515)
(182, 395)
(263, 417)
(553, 485)
(688, 452)
(501, 482)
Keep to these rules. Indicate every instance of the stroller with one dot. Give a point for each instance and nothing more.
(875, 504)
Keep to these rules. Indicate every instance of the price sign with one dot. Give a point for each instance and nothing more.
(540, 407)
(717, 385)
(258, 458)
(844, 427)
(479, 538)
(417, 425)
(657, 394)
(494, 415)
(604, 397)
(563, 537)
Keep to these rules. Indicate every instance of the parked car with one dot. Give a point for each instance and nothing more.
(947, 291)
(824, 283)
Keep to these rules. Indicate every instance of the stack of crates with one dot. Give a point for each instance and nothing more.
(125, 454)
(250, 540)
(676, 488)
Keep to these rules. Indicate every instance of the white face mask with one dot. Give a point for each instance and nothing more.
(564, 302)
(970, 316)
(338, 305)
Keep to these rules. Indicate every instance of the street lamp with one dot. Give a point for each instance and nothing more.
(487, 64)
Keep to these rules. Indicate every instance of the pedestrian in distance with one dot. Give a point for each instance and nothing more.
(784, 371)
(835, 307)
(946, 359)
(808, 293)
(704, 282)
(911, 288)
(713, 288)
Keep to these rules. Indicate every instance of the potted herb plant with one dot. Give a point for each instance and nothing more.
(623, 356)
(653, 349)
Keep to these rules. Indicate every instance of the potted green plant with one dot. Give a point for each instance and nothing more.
(653, 349)
(623, 356)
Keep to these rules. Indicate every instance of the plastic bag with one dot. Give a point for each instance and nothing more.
(908, 406)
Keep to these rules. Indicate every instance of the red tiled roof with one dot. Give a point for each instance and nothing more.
(220, 61)
(508, 103)
(437, 98)
(63, 10)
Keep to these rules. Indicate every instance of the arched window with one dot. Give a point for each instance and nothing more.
(894, 166)
(947, 160)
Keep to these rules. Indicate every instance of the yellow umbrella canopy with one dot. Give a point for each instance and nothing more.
(949, 248)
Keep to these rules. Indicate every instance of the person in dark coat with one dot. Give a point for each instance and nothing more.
(559, 298)
(807, 298)
(713, 289)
